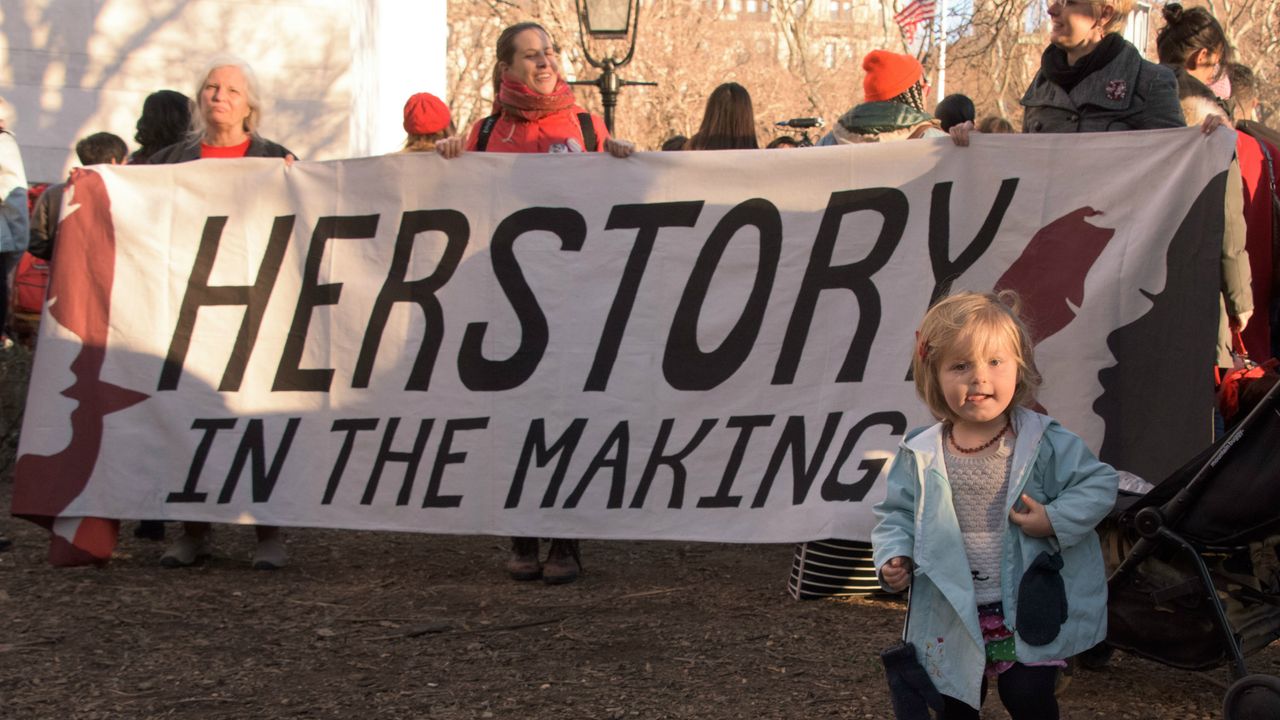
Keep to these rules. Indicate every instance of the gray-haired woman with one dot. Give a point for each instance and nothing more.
(224, 125)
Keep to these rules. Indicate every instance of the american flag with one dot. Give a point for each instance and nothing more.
(916, 12)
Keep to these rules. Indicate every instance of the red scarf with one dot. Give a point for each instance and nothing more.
(516, 100)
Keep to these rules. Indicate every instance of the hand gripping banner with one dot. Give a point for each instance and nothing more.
(697, 346)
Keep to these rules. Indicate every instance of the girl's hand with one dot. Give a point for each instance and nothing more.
(619, 148)
(960, 133)
(449, 148)
(1033, 519)
(896, 573)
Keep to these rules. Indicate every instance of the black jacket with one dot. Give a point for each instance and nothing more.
(44, 221)
(188, 150)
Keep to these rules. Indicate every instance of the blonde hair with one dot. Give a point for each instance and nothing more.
(422, 143)
(426, 143)
(1121, 8)
(967, 320)
(251, 96)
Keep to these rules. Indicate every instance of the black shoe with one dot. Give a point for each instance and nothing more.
(149, 530)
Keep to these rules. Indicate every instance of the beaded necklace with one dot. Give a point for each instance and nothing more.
(970, 451)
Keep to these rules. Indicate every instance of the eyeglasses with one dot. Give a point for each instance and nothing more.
(1064, 4)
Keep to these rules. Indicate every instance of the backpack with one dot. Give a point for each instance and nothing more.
(30, 283)
(34, 191)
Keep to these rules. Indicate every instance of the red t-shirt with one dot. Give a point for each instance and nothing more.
(230, 151)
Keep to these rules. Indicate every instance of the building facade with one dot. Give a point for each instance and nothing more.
(334, 73)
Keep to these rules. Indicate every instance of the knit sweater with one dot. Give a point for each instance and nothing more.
(979, 484)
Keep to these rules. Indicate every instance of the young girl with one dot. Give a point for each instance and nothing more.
(992, 495)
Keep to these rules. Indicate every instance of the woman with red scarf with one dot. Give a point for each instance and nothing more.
(535, 112)
(534, 108)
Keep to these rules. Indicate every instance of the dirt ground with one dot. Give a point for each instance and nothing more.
(391, 625)
(388, 625)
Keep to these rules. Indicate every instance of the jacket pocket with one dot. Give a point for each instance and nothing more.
(1042, 600)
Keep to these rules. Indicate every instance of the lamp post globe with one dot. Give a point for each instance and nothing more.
(607, 18)
(612, 20)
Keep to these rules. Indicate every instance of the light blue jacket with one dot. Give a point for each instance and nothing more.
(918, 520)
(14, 220)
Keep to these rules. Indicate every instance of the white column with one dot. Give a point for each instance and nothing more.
(398, 48)
(942, 50)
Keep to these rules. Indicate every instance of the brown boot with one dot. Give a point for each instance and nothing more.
(523, 564)
(563, 563)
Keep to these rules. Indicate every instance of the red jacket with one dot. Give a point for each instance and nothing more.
(1257, 213)
(559, 132)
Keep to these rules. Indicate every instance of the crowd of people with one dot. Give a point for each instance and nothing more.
(974, 366)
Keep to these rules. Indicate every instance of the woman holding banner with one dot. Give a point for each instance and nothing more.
(1193, 44)
(426, 122)
(894, 92)
(1093, 80)
(535, 112)
(224, 125)
(534, 108)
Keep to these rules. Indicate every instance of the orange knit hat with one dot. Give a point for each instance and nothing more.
(888, 75)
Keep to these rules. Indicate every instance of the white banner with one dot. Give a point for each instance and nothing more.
(698, 346)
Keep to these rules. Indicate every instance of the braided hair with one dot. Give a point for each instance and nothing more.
(913, 96)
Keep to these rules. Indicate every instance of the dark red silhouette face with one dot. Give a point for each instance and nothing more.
(1050, 273)
(80, 301)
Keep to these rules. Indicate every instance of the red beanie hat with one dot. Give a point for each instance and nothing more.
(888, 75)
(425, 114)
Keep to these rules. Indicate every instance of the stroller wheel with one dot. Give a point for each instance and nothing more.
(1253, 697)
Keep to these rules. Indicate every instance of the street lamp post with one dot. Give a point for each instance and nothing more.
(612, 19)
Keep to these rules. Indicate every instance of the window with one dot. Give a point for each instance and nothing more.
(1135, 31)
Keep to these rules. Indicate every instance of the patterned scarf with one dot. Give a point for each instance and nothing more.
(515, 99)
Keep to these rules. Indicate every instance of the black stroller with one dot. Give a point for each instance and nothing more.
(1197, 583)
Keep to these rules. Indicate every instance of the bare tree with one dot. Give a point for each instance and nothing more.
(993, 52)
(799, 57)
(1251, 27)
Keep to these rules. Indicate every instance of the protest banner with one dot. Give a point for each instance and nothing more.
(697, 346)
